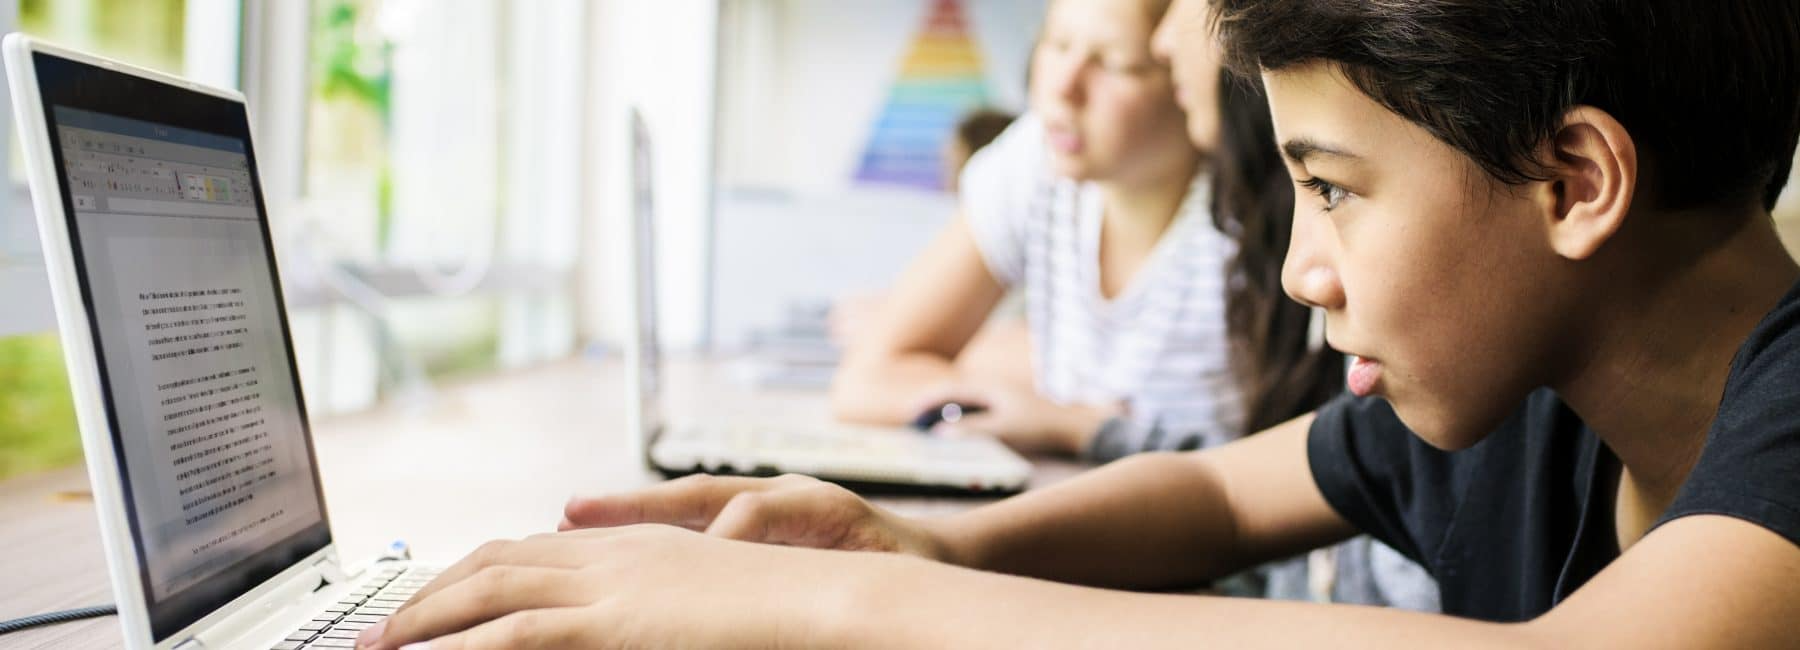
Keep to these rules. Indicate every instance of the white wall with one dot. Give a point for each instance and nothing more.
(779, 251)
(805, 81)
(660, 57)
(802, 83)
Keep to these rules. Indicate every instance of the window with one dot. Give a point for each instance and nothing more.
(37, 417)
(438, 233)
(149, 33)
(417, 166)
(145, 33)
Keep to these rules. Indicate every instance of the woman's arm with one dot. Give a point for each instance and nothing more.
(939, 303)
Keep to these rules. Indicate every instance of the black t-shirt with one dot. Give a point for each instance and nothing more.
(1511, 526)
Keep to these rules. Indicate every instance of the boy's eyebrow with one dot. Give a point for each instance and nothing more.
(1299, 149)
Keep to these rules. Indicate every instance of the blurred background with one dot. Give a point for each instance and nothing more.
(448, 180)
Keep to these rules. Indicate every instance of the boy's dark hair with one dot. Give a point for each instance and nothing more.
(1708, 89)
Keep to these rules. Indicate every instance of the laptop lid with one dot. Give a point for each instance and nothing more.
(158, 247)
(643, 353)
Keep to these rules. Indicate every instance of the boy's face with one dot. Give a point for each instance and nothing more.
(1442, 279)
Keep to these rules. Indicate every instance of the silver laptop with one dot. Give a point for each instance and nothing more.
(879, 460)
(170, 308)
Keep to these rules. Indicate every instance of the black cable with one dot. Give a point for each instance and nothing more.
(52, 618)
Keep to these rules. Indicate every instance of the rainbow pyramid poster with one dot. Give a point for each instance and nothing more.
(940, 79)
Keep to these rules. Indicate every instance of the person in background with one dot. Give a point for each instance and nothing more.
(1096, 207)
(974, 131)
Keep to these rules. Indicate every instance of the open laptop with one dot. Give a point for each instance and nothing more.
(161, 265)
(875, 460)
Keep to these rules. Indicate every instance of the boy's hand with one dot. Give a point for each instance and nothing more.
(632, 587)
(789, 510)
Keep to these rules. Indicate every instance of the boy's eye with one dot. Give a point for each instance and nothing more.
(1330, 192)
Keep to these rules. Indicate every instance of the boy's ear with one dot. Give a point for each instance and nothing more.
(1593, 173)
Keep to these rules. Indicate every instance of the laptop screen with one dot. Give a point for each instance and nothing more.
(172, 251)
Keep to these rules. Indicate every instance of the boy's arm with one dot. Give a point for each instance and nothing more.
(1157, 520)
(1153, 520)
(1699, 582)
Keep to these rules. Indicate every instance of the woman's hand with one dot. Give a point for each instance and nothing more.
(638, 587)
(1019, 417)
(790, 510)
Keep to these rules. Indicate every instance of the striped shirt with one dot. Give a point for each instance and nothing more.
(1158, 347)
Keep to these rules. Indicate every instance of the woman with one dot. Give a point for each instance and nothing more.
(1101, 212)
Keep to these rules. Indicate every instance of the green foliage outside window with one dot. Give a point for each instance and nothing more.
(37, 416)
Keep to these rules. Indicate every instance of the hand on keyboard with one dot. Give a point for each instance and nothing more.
(790, 510)
(368, 604)
(644, 586)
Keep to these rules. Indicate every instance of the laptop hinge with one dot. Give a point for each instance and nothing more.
(230, 631)
(330, 571)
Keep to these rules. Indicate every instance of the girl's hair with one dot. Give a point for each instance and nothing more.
(1253, 203)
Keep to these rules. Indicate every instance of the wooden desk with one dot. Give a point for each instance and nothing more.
(486, 459)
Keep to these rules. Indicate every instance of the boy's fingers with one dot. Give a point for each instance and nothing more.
(690, 502)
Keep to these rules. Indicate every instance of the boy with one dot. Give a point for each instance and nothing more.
(1543, 227)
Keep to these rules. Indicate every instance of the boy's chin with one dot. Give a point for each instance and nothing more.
(1443, 426)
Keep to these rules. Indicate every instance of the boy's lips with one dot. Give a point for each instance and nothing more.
(1364, 374)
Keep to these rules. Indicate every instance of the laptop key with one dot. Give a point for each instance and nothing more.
(362, 618)
(340, 634)
(332, 643)
(286, 645)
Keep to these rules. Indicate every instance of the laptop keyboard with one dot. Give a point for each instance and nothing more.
(338, 625)
(876, 444)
